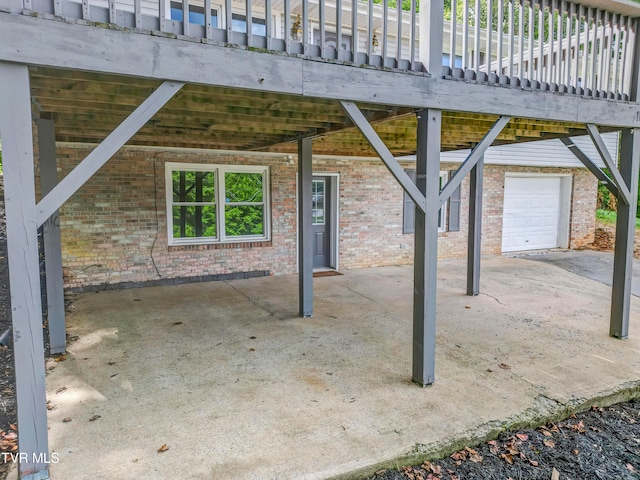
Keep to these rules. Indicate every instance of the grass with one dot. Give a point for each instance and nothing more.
(609, 217)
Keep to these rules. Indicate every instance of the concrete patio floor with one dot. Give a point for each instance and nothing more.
(238, 387)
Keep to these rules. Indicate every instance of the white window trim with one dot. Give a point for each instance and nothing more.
(220, 202)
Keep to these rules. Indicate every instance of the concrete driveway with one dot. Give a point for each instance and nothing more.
(238, 387)
(587, 263)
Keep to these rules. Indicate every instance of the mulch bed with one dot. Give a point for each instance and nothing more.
(600, 444)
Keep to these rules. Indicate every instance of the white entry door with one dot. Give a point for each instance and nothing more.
(531, 215)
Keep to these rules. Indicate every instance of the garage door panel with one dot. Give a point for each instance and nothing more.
(531, 213)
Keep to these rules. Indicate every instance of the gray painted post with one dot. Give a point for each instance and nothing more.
(24, 273)
(52, 244)
(625, 223)
(625, 230)
(426, 247)
(305, 239)
(475, 228)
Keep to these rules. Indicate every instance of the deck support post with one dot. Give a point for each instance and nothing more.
(426, 247)
(52, 244)
(626, 218)
(305, 239)
(474, 250)
(24, 272)
(625, 230)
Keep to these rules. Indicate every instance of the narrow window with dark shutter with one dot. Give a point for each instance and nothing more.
(454, 210)
(409, 211)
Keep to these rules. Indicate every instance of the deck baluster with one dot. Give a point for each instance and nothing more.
(354, 30)
(249, 23)
(616, 50)
(370, 31)
(465, 36)
(551, 72)
(489, 36)
(540, 66)
(207, 19)
(305, 26)
(185, 17)
(112, 12)
(268, 24)
(399, 18)
(454, 34)
(476, 38)
(287, 25)
(500, 36)
(594, 53)
(412, 41)
(531, 17)
(511, 39)
(385, 29)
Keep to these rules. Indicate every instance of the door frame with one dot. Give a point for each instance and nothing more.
(564, 210)
(334, 178)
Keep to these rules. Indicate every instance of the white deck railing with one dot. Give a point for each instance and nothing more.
(550, 45)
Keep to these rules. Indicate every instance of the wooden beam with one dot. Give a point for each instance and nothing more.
(623, 190)
(593, 168)
(51, 236)
(103, 152)
(167, 58)
(385, 155)
(24, 268)
(476, 154)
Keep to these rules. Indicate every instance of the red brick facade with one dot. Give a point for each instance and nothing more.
(114, 229)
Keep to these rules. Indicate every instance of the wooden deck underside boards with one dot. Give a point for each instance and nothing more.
(86, 107)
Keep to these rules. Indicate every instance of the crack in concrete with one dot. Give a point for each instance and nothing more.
(252, 302)
(486, 294)
(361, 294)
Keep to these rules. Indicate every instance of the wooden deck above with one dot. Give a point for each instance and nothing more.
(86, 107)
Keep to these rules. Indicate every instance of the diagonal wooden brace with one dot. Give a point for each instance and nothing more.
(386, 156)
(623, 191)
(473, 158)
(593, 168)
(103, 152)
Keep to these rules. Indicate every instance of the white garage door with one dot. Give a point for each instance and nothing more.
(531, 213)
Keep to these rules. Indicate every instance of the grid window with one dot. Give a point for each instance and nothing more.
(217, 203)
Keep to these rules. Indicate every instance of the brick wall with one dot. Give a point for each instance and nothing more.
(115, 228)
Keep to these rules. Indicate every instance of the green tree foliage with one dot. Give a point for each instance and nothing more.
(243, 219)
(243, 204)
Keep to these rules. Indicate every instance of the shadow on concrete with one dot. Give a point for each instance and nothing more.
(586, 263)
